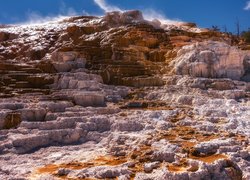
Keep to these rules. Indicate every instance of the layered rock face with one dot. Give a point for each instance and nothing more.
(211, 60)
(119, 97)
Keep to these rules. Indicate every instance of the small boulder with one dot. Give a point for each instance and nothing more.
(149, 167)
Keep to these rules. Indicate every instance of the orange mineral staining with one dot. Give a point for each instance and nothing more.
(109, 161)
(209, 159)
(52, 168)
(48, 169)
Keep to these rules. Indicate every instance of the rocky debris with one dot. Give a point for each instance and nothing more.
(204, 172)
(121, 97)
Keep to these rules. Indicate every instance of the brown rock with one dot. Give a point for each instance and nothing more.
(3, 36)
(36, 54)
(12, 120)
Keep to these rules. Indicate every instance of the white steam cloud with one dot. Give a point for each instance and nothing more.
(247, 7)
(36, 18)
(148, 14)
(105, 6)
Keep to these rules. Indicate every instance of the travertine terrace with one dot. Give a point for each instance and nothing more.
(120, 97)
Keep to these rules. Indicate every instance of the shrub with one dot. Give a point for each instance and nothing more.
(246, 35)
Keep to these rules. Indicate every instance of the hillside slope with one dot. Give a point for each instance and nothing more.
(122, 97)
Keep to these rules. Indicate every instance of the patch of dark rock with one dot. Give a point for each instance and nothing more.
(197, 153)
(145, 105)
(12, 120)
(134, 105)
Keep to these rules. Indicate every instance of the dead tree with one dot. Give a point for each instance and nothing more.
(237, 27)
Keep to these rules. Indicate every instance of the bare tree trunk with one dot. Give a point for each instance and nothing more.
(225, 28)
(238, 27)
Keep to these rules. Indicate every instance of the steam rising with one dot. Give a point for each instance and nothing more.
(106, 7)
(148, 14)
(37, 18)
(247, 7)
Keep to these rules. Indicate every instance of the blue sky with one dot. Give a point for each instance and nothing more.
(204, 12)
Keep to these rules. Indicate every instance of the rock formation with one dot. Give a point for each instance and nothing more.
(212, 60)
(119, 97)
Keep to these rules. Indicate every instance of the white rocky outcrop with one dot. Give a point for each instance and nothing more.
(79, 80)
(211, 59)
(118, 18)
(149, 167)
